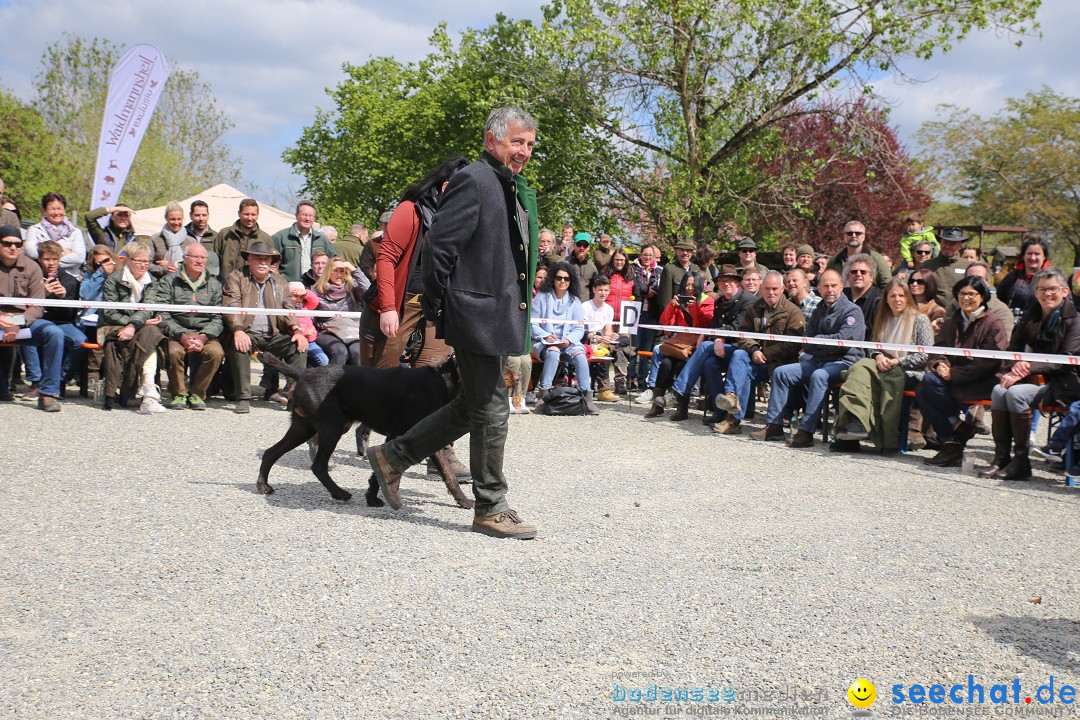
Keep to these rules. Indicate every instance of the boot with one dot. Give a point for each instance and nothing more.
(656, 408)
(1020, 467)
(539, 405)
(682, 408)
(915, 439)
(1001, 429)
(590, 406)
(950, 455)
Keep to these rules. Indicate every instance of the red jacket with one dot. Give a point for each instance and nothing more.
(700, 312)
(621, 291)
(395, 258)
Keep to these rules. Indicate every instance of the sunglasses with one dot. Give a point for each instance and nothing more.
(917, 281)
(852, 233)
(562, 278)
(856, 271)
(11, 243)
(923, 252)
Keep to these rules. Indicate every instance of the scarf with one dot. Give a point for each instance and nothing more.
(136, 286)
(899, 330)
(173, 241)
(966, 320)
(335, 293)
(57, 233)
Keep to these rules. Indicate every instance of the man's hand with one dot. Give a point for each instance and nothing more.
(242, 342)
(5, 321)
(53, 286)
(1021, 370)
(388, 323)
(156, 320)
(126, 333)
(10, 335)
(300, 340)
(758, 358)
(718, 347)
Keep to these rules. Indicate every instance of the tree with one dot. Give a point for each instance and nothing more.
(391, 123)
(1019, 167)
(30, 156)
(834, 164)
(183, 150)
(694, 88)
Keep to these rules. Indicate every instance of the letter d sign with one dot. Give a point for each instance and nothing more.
(628, 320)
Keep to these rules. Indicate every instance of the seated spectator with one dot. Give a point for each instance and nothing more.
(1017, 288)
(1063, 434)
(547, 253)
(705, 258)
(861, 290)
(725, 311)
(598, 316)
(797, 289)
(947, 266)
(305, 299)
(319, 261)
(923, 286)
(131, 336)
(559, 299)
(1050, 326)
(952, 379)
(626, 286)
(58, 286)
(690, 308)
(873, 391)
(117, 233)
(103, 263)
(191, 334)
(835, 318)
(753, 361)
(751, 280)
(970, 253)
(170, 242)
(822, 262)
(254, 286)
(921, 251)
(747, 250)
(789, 255)
(982, 271)
(805, 261)
(20, 277)
(341, 288)
(55, 226)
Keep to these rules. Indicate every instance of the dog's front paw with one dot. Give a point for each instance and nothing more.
(374, 501)
(466, 503)
(342, 495)
(264, 488)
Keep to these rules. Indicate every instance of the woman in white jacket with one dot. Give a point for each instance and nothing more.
(55, 226)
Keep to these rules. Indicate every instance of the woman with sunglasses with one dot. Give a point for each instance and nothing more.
(55, 226)
(923, 287)
(1052, 326)
(554, 341)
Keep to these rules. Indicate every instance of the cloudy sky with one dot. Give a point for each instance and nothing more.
(270, 62)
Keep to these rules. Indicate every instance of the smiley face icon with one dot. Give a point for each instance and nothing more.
(862, 693)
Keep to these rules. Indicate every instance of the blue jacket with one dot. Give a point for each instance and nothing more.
(843, 320)
(543, 307)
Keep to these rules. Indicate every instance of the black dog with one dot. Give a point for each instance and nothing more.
(328, 400)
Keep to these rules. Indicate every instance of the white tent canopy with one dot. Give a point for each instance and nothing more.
(224, 203)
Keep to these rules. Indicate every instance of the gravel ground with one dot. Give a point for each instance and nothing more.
(143, 577)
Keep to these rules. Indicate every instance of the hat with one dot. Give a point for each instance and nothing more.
(385, 217)
(685, 245)
(260, 248)
(297, 287)
(9, 231)
(746, 244)
(728, 271)
(583, 237)
(952, 234)
(804, 250)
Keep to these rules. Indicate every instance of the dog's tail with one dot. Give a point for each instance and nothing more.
(275, 362)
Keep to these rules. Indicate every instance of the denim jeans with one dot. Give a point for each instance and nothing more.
(816, 376)
(691, 372)
(1067, 428)
(317, 357)
(44, 354)
(938, 406)
(741, 374)
(575, 353)
(639, 367)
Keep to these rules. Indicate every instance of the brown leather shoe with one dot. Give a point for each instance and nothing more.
(950, 455)
(769, 432)
(728, 426)
(51, 404)
(656, 409)
(802, 439)
(389, 478)
(728, 402)
(504, 525)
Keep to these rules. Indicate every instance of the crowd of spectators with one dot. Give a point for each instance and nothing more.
(937, 292)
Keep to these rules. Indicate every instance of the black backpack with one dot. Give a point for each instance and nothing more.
(565, 400)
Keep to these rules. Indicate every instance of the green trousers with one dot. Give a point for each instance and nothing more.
(873, 398)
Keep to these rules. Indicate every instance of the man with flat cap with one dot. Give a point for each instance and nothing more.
(671, 277)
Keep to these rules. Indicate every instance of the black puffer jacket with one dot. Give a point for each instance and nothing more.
(1032, 334)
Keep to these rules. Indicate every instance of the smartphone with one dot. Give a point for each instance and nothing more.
(19, 320)
(686, 299)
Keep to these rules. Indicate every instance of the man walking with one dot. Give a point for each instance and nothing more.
(478, 262)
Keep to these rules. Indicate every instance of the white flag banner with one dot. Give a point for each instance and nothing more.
(134, 88)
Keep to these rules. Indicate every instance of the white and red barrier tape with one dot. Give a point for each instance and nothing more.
(157, 307)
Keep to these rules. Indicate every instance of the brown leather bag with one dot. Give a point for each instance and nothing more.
(680, 347)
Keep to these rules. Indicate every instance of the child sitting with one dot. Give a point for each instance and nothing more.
(598, 316)
(307, 300)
